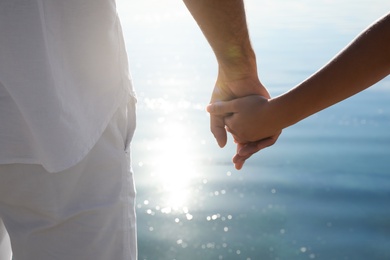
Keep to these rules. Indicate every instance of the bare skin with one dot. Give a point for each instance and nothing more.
(223, 22)
(360, 65)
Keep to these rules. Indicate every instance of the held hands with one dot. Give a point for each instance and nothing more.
(228, 89)
(237, 78)
(252, 122)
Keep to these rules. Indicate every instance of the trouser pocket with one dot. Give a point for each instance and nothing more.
(131, 116)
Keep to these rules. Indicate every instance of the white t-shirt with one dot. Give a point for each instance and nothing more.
(63, 74)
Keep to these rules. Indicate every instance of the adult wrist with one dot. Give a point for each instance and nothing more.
(236, 63)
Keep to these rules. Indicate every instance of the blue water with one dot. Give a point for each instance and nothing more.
(321, 192)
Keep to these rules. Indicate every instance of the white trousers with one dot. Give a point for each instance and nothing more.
(86, 212)
(5, 246)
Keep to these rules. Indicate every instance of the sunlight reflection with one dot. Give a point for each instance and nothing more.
(174, 167)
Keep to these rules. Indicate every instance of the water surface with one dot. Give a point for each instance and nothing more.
(321, 192)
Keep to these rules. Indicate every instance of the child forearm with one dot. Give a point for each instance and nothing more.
(361, 64)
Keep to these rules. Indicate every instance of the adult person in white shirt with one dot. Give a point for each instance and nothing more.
(67, 116)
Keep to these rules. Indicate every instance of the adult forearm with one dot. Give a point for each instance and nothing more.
(361, 64)
(223, 22)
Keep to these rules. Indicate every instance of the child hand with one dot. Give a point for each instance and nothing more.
(248, 119)
(251, 122)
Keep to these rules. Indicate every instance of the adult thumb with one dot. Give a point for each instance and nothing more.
(220, 108)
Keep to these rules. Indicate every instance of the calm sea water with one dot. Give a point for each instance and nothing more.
(321, 192)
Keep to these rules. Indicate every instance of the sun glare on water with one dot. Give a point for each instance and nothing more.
(174, 168)
(172, 156)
